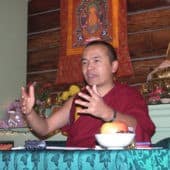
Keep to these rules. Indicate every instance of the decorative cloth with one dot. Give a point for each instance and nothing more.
(84, 21)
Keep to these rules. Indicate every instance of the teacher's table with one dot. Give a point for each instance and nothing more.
(130, 159)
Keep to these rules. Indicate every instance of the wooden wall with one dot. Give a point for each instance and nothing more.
(148, 38)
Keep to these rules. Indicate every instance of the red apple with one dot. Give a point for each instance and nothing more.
(113, 127)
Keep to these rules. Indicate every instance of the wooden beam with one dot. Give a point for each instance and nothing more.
(36, 6)
(46, 59)
(42, 77)
(149, 20)
(141, 69)
(149, 43)
(45, 21)
(136, 5)
(44, 40)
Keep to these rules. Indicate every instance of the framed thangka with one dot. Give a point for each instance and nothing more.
(92, 22)
(86, 20)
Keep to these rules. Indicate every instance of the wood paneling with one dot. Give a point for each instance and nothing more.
(44, 40)
(151, 43)
(42, 77)
(148, 38)
(136, 5)
(141, 69)
(37, 6)
(43, 21)
(149, 20)
(46, 59)
(47, 77)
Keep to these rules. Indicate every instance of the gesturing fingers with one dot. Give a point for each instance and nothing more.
(84, 96)
(82, 103)
(23, 92)
(90, 103)
(23, 104)
(23, 99)
(81, 111)
(27, 99)
(31, 91)
(93, 91)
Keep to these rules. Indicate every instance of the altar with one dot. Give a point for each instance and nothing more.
(160, 114)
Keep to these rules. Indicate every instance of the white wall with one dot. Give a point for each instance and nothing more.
(13, 47)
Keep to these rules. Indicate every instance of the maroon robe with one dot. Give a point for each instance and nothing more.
(122, 98)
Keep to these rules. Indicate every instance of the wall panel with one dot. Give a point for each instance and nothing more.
(148, 38)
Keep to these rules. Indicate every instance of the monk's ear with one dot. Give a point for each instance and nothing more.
(115, 65)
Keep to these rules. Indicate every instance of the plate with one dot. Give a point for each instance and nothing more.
(65, 148)
(53, 148)
(98, 147)
(18, 148)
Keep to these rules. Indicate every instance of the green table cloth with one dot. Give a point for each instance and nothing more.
(132, 159)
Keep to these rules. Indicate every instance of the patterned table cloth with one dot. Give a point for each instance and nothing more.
(132, 159)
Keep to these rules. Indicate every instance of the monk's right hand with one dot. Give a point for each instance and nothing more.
(27, 100)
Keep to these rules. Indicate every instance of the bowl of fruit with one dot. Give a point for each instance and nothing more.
(115, 135)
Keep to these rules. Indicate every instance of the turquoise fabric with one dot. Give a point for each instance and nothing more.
(156, 159)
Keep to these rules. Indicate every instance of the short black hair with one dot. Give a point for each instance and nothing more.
(111, 51)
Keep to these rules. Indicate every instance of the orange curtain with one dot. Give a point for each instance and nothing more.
(110, 25)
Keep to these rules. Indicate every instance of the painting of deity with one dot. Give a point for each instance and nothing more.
(91, 22)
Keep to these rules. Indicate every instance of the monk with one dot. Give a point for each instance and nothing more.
(101, 100)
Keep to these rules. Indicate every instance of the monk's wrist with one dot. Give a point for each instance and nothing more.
(114, 114)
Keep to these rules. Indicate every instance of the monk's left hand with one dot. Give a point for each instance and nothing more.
(92, 103)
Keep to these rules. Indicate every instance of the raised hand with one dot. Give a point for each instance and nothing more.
(28, 99)
(93, 103)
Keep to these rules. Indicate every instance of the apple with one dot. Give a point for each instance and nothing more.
(114, 127)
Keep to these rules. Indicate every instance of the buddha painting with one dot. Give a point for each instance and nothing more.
(92, 22)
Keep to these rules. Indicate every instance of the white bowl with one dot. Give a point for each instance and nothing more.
(115, 140)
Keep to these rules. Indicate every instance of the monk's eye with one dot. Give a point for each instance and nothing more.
(96, 60)
(84, 62)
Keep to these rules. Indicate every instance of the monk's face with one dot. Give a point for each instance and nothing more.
(96, 66)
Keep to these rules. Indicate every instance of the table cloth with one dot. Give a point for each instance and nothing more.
(130, 159)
